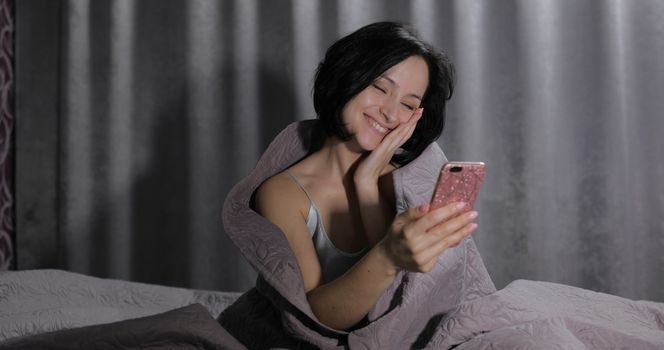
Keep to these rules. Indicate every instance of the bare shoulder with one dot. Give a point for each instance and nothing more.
(280, 195)
(280, 200)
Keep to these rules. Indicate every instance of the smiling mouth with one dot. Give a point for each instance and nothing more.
(377, 126)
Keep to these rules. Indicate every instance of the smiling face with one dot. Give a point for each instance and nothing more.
(387, 103)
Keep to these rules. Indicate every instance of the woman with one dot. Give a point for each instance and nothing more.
(380, 95)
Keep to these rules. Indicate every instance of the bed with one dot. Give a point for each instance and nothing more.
(454, 306)
(40, 301)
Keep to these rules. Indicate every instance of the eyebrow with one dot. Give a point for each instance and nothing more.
(395, 84)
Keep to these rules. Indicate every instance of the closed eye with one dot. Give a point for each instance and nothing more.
(409, 107)
(379, 88)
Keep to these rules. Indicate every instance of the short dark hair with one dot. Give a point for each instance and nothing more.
(355, 61)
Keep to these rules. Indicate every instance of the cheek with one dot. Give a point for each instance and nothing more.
(405, 116)
(347, 113)
(350, 108)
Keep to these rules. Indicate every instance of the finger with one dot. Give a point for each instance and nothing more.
(441, 231)
(383, 153)
(397, 137)
(407, 134)
(414, 213)
(436, 216)
(393, 140)
(403, 132)
(450, 226)
(412, 119)
(441, 245)
(380, 156)
(423, 242)
(405, 129)
(412, 122)
(417, 114)
(419, 211)
(455, 239)
(389, 144)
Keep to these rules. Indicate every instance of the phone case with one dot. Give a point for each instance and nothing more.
(458, 182)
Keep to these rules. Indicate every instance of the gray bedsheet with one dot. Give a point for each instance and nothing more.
(542, 315)
(37, 301)
(454, 306)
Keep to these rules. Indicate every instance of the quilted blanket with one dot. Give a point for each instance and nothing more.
(38, 301)
(454, 306)
(190, 327)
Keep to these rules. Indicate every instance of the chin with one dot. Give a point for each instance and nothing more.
(365, 140)
(368, 144)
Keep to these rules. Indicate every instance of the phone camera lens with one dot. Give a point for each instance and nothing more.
(456, 169)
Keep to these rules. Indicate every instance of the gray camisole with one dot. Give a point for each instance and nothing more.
(333, 261)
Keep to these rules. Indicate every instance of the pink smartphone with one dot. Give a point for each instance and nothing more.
(458, 182)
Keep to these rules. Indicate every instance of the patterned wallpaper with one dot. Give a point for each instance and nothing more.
(7, 233)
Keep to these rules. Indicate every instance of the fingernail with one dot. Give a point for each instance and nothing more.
(473, 226)
(472, 215)
(423, 208)
(461, 205)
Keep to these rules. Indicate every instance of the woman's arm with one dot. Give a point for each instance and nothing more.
(343, 302)
(280, 200)
(369, 178)
(376, 203)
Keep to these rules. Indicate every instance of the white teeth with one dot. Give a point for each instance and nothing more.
(377, 126)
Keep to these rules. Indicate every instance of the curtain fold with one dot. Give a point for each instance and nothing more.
(7, 143)
(161, 106)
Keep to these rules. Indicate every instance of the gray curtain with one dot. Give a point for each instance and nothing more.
(135, 118)
(7, 148)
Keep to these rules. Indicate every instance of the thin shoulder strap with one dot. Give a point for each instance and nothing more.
(300, 185)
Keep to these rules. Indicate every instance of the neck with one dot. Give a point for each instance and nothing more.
(340, 157)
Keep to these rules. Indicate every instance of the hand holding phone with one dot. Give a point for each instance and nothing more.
(458, 182)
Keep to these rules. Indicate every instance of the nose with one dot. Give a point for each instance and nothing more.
(389, 110)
